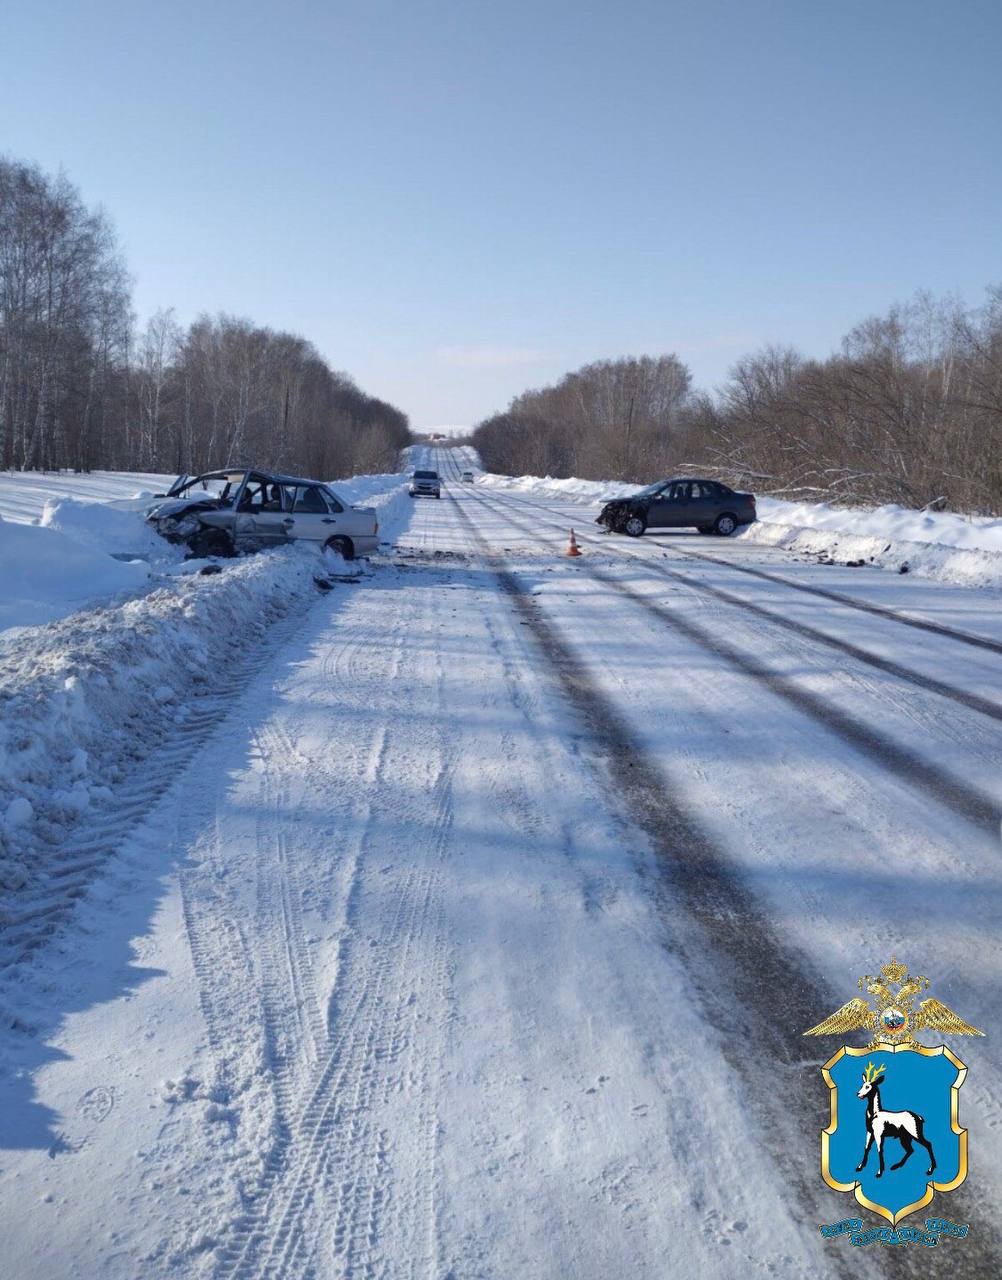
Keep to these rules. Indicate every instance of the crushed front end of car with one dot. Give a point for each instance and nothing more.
(615, 514)
(195, 508)
(179, 521)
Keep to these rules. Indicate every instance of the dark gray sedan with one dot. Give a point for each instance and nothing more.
(679, 503)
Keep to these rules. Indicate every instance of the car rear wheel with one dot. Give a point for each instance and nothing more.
(634, 526)
(343, 546)
(725, 526)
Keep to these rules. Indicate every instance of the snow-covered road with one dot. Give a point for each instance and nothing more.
(478, 937)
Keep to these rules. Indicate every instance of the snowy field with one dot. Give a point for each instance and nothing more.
(464, 921)
(24, 494)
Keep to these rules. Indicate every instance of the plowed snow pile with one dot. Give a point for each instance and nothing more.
(941, 544)
(95, 693)
(44, 575)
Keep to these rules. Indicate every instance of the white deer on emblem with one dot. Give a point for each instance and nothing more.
(906, 1126)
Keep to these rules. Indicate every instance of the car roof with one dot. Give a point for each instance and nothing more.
(273, 477)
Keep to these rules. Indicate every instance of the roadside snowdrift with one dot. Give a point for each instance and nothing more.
(953, 548)
(109, 528)
(94, 695)
(944, 545)
(44, 575)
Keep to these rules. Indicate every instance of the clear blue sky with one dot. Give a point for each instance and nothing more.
(457, 200)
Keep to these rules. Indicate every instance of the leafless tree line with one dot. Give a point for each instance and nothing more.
(612, 420)
(81, 388)
(909, 411)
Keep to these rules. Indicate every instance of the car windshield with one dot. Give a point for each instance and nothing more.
(425, 475)
(651, 489)
(218, 484)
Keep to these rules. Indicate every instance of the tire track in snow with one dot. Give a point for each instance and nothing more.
(332, 1133)
(36, 912)
(290, 982)
(838, 597)
(261, 990)
(708, 912)
(335, 1164)
(983, 706)
(970, 803)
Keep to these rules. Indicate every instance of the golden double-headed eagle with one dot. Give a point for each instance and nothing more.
(893, 1016)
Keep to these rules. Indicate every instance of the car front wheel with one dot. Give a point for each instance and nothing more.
(211, 542)
(725, 526)
(635, 526)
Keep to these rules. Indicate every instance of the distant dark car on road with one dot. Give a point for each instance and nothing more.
(679, 503)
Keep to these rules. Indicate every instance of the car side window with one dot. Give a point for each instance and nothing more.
(253, 496)
(679, 491)
(310, 501)
(272, 497)
(333, 502)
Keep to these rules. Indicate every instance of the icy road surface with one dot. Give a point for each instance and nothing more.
(478, 938)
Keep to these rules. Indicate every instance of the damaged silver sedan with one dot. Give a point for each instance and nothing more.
(221, 513)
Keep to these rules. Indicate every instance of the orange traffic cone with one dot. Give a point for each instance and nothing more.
(572, 547)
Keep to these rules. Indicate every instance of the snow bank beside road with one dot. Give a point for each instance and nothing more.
(95, 694)
(44, 575)
(843, 543)
(76, 556)
(935, 544)
(899, 524)
(109, 528)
